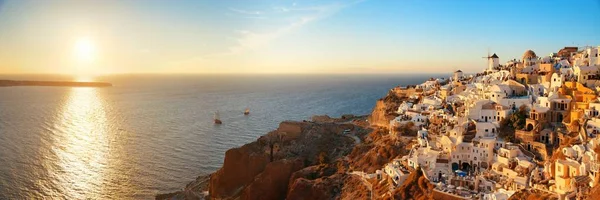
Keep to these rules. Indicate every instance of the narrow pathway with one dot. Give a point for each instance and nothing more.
(356, 139)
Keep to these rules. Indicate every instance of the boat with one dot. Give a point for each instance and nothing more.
(217, 118)
(247, 111)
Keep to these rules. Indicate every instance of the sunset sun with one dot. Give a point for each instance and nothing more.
(84, 50)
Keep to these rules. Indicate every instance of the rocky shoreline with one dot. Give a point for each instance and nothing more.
(302, 160)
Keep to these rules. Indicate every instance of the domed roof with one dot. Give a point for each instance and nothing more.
(529, 54)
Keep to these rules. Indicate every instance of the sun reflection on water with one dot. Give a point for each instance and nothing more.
(83, 145)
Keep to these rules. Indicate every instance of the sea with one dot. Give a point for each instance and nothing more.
(151, 134)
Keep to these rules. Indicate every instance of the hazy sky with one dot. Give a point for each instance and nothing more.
(371, 36)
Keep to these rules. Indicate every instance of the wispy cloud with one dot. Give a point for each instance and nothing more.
(250, 40)
(281, 9)
(247, 40)
(246, 12)
(255, 17)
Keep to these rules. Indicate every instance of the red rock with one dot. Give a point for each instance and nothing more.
(272, 183)
(306, 189)
(239, 169)
(379, 115)
(262, 169)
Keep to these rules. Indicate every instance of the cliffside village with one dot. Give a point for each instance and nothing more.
(530, 123)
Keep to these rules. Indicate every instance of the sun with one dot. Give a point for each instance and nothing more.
(85, 50)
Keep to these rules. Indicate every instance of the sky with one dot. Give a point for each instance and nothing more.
(302, 36)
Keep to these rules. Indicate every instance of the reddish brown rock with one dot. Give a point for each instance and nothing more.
(529, 195)
(379, 116)
(385, 110)
(416, 186)
(262, 169)
(272, 183)
(291, 130)
(369, 157)
(318, 189)
(239, 169)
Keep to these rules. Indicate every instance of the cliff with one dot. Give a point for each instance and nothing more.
(313, 160)
(316, 182)
(262, 169)
(376, 151)
(529, 195)
(385, 110)
(415, 187)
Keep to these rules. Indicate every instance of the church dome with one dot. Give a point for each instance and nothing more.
(529, 54)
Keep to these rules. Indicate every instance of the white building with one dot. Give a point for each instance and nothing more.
(493, 61)
(556, 81)
(530, 61)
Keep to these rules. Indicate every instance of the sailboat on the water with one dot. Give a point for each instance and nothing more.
(217, 118)
(247, 111)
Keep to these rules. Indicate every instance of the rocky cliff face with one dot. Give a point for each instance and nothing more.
(376, 151)
(262, 169)
(239, 169)
(416, 186)
(379, 116)
(319, 189)
(385, 110)
(272, 183)
(308, 160)
(528, 195)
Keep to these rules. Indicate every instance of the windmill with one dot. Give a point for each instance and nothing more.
(490, 59)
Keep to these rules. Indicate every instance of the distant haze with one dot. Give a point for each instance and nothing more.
(104, 37)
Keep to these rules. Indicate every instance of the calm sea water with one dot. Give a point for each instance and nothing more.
(153, 134)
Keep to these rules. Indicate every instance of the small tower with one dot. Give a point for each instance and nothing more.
(493, 62)
(529, 58)
(458, 75)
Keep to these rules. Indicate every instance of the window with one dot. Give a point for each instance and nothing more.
(486, 130)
